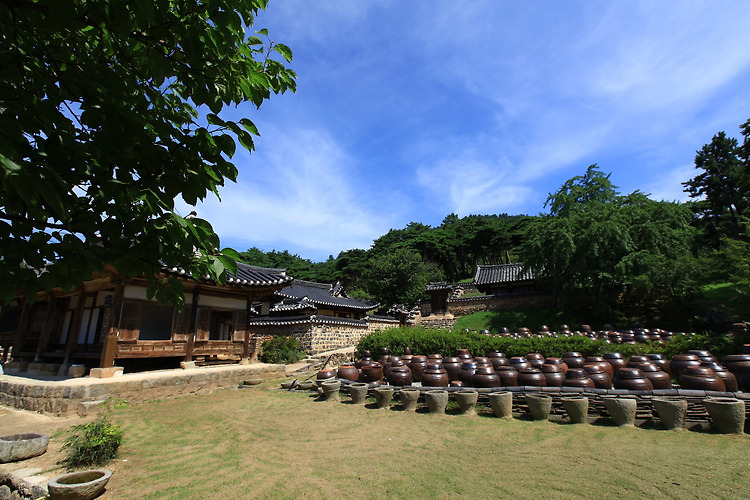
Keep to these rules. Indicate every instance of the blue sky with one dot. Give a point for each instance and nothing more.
(409, 111)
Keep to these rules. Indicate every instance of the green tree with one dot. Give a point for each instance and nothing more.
(612, 252)
(108, 113)
(399, 277)
(722, 185)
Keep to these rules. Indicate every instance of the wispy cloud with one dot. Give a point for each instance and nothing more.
(295, 193)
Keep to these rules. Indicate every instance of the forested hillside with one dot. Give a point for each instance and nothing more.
(612, 254)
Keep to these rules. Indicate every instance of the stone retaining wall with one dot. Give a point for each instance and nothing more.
(63, 398)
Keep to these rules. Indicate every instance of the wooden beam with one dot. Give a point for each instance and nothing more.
(49, 320)
(109, 346)
(191, 330)
(75, 330)
(23, 322)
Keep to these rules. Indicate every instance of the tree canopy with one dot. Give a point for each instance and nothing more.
(722, 185)
(109, 112)
(607, 250)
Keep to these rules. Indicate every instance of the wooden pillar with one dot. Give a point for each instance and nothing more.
(246, 340)
(23, 323)
(49, 321)
(191, 330)
(109, 346)
(75, 330)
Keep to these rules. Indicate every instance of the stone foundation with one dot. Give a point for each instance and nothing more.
(63, 398)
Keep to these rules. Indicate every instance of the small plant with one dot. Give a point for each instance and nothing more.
(282, 350)
(95, 443)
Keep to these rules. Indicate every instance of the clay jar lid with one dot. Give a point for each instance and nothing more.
(434, 356)
(551, 368)
(505, 368)
(576, 373)
(629, 373)
(593, 368)
(451, 360)
(613, 355)
(434, 368)
(534, 355)
(648, 367)
(485, 370)
(480, 360)
(519, 362)
(715, 366)
(419, 359)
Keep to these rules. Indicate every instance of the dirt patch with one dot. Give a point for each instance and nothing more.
(18, 421)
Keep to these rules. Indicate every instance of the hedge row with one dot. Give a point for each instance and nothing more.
(434, 341)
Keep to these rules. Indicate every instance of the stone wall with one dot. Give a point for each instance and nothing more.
(440, 322)
(319, 337)
(64, 397)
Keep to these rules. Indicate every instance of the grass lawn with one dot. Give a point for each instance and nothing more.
(531, 318)
(276, 444)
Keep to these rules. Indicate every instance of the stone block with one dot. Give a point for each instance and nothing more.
(76, 371)
(87, 408)
(187, 365)
(112, 371)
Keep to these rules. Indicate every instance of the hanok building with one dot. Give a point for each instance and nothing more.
(109, 319)
(321, 316)
(506, 279)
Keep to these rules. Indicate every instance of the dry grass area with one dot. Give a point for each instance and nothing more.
(276, 444)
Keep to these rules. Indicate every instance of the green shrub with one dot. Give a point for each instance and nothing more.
(434, 341)
(92, 444)
(282, 350)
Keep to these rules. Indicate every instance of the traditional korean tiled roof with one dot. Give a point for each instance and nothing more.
(290, 305)
(439, 286)
(323, 294)
(247, 275)
(502, 273)
(317, 319)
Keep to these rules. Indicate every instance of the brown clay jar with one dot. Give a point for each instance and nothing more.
(452, 365)
(508, 376)
(554, 374)
(519, 363)
(573, 359)
(532, 377)
(558, 362)
(536, 360)
(659, 378)
(730, 381)
(485, 376)
(632, 379)
(463, 354)
(400, 375)
(498, 359)
(736, 363)
(634, 361)
(703, 355)
(417, 366)
(406, 358)
(659, 360)
(680, 362)
(372, 373)
(577, 377)
(363, 360)
(324, 374)
(466, 372)
(435, 376)
(596, 373)
(599, 360)
(701, 378)
(348, 372)
(482, 361)
(616, 360)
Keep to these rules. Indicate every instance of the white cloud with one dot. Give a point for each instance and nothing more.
(294, 193)
(668, 185)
